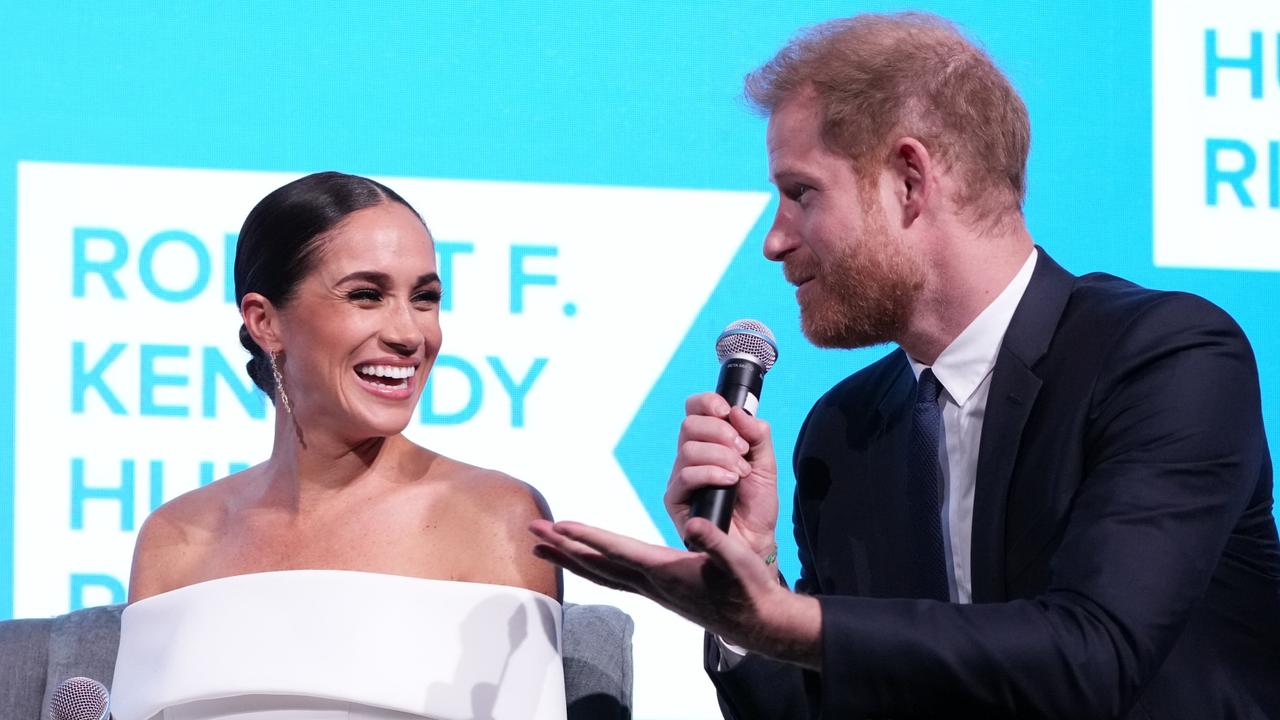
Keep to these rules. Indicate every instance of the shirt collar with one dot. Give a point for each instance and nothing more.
(971, 356)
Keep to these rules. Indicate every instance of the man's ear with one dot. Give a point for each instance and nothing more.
(915, 185)
(262, 319)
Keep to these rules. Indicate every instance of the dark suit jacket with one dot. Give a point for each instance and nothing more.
(1125, 560)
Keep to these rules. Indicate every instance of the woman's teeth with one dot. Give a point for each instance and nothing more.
(390, 372)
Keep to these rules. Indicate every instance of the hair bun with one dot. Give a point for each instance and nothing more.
(257, 365)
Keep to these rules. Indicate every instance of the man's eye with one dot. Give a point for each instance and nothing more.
(796, 192)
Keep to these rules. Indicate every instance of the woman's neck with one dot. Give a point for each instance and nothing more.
(304, 474)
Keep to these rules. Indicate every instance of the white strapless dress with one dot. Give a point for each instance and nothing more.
(335, 644)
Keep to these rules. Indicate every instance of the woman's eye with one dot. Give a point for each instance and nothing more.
(430, 297)
(364, 295)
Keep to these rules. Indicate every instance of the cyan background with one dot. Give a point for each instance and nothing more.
(636, 93)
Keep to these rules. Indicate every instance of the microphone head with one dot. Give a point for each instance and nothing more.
(80, 698)
(750, 339)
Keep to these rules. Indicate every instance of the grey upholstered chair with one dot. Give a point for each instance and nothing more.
(37, 654)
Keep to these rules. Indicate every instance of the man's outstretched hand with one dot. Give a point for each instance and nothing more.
(725, 587)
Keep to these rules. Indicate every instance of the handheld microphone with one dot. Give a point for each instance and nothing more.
(747, 351)
(80, 698)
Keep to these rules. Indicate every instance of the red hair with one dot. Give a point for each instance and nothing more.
(881, 77)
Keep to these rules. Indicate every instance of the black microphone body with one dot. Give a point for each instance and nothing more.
(747, 351)
(739, 384)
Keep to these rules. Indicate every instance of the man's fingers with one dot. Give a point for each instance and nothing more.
(752, 429)
(551, 537)
(707, 403)
(694, 453)
(701, 428)
(702, 465)
(588, 561)
(568, 562)
(701, 534)
(728, 552)
(619, 548)
(688, 480)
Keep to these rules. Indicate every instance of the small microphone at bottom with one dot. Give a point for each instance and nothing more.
(80, 698)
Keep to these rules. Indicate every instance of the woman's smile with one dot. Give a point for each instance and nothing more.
(394, 382)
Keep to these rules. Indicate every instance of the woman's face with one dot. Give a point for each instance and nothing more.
(363, 327)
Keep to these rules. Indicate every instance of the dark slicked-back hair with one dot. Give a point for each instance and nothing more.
(882, 77)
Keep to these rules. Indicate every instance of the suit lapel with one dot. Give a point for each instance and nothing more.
(889, 480)
(1014, 387)
(865, 497)
(897, 399)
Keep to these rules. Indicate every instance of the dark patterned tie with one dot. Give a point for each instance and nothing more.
(926, 489)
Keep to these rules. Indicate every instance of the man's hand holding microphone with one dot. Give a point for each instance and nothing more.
(727, 582)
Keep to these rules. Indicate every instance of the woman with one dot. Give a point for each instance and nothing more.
(337, 285)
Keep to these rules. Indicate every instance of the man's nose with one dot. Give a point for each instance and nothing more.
(781, 238)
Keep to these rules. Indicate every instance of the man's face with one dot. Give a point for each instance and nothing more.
(855, 282)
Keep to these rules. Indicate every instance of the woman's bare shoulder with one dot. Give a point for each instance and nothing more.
(491, 493)
(491, 512)
(173, 538)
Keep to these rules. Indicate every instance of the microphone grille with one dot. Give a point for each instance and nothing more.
(79, 698)
(750, 338)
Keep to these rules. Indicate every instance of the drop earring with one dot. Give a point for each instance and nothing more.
(280, 393)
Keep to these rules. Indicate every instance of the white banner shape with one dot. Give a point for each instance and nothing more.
(565, 305)
(1215, 138)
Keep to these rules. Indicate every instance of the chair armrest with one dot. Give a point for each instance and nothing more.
(597, 662)
(24, 655)
(82, 643)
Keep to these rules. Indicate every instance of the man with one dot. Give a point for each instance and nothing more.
(1054, 500)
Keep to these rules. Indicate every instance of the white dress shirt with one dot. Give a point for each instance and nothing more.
(964, 371)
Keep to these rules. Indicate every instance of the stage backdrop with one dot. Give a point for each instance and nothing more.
(599, 196)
